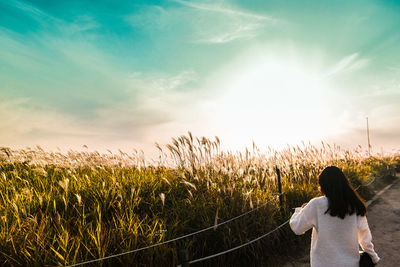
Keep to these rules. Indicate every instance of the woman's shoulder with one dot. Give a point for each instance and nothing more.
(322, 200)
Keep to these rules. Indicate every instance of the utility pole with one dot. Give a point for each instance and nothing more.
(369, 145)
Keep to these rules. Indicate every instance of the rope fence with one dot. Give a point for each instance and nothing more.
(214, 227)
(373, 180)
(264, 235)
(178, 238)
(240, 246)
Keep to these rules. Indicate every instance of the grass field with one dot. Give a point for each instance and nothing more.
(60, 209)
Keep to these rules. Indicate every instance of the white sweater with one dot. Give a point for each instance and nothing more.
(334, 241)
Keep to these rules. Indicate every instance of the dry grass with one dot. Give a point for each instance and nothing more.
(60, 209)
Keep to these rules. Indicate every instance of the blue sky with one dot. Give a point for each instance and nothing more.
(124, 74)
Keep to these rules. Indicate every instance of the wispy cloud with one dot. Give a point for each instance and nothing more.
(223, 24)
(139, 72)
(80, 24)
(74, 91)
(395, 68)
(239, 32)
(28, 123)
(349, 63)
(34, 12)
(212, 23)
(50, 22)
(384, 126)
(28, 9)
(217, 7)
(387, 91)
(150, 101)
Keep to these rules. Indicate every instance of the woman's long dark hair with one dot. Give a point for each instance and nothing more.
(342, 198)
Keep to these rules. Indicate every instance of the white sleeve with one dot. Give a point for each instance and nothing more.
(365, 238)
(303, 219)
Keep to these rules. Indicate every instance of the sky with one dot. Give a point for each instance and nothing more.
(126, 74)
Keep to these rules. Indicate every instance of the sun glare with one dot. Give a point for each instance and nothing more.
(274, 102)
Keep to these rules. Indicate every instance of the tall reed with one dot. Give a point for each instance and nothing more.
(65, 208)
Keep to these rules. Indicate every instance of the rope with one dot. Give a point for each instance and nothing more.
(260, 237)
(373, 180)
(177, 238)
(206, 229)
(240, 246)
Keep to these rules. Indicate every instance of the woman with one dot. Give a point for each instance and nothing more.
(338, 220)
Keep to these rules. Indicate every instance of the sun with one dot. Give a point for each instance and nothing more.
(272, 100)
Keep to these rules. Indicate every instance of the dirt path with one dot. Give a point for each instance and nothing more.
(384, 222)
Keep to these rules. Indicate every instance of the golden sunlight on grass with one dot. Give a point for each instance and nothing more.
(60, 209)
